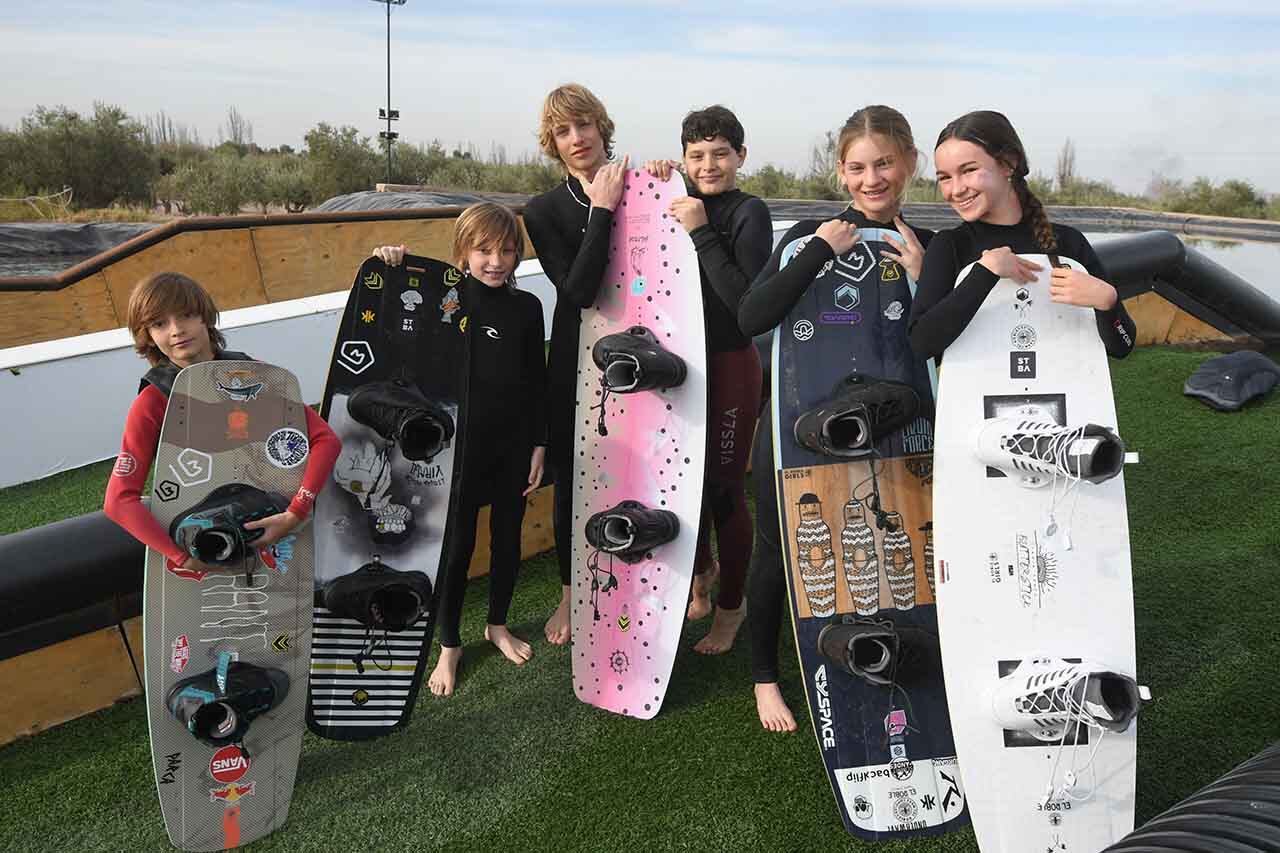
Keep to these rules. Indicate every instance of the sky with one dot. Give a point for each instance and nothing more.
(1180, 88)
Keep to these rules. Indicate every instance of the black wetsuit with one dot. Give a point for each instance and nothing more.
(772, 296)
(732, 248)
(942, 309)
(572, 242)
(505, 420)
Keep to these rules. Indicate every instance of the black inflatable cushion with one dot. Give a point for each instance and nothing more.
(1227, 382)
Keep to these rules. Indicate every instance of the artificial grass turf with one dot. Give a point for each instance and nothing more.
(515, 758)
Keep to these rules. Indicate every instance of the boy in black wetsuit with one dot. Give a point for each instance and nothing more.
(733, 234)
(569, 228)
(506, 426)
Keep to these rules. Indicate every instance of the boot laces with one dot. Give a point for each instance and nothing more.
(610, 581)
(1063, 709)
(1055, 452)
(607, 388)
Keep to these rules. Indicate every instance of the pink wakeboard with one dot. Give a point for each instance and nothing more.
(627, 617)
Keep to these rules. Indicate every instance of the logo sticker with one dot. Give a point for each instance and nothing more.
(281, 643)
(1022, 301)
(618, 661)
(895, 723)
(367, 316)
(413, 281)
(890, 271)
(355, 356)
(840, 318)
(411, 299)
(167, 490)
(229, 764)
(893, 311)
(902, 769)
(373, 281)
(125, 465)
(491, 332)
(449, 304)
(287, 447)
(230, 793)
(857, 263)
(624, 623)
(193, 467)
(240, 386)
(803, 330)
(1023, 336)
(847, 297)
(181, 654)
(1022, 365)
(452, 277)
(359, 697)
(406, 324)
(862, 807)
(905, 809)
(897, 750)
(238, 425)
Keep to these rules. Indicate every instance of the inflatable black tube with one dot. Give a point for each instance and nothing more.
(1159, 261)
(1239, 812)
(65, 579)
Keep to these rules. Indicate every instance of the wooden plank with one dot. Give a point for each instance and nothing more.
(222, 261)
(50, 686)
(1186, 329)
(1152, 314)
(304, 260)
(28, 318)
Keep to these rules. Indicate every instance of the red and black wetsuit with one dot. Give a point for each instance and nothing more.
(732, 248)
(123, 503)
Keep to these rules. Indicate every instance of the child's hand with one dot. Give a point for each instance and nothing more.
(661, 169)
(605, 190)
(390, 255)
(909, 252)
(690, 212)
(1073, 287)
(1005, 264)
(536, 463)
(838, 234)
(274, 527)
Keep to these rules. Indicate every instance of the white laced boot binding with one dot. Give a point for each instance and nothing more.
(1038, 452)
(1052, 700)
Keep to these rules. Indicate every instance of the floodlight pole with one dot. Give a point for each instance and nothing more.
(389, 114)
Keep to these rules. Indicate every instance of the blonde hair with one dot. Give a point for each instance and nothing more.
(486, 224)
(158, 296)
(569, 102)
(883, 121)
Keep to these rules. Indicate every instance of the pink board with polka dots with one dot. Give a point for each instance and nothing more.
(627, 617)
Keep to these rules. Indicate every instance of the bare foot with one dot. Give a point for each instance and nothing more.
(445, 676)
(775, 716)
(512, 647)
(557, 627)
(700, 598)
(724, 628)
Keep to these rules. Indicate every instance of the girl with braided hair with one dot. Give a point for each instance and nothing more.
(982, 173)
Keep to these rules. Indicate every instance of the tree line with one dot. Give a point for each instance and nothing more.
(110, 158)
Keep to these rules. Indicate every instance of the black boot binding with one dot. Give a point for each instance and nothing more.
(380, 598)
(633, 361)
(859, 412)
(213, 530)
(218, 705)
(398, 412)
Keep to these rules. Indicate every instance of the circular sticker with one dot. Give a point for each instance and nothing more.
(902, 768)
(125, 465)
(287, 447)
(229, 764)
(905, 809)
(803, 330)
(1023, 336)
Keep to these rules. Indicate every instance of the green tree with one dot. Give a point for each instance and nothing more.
(339, 160)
